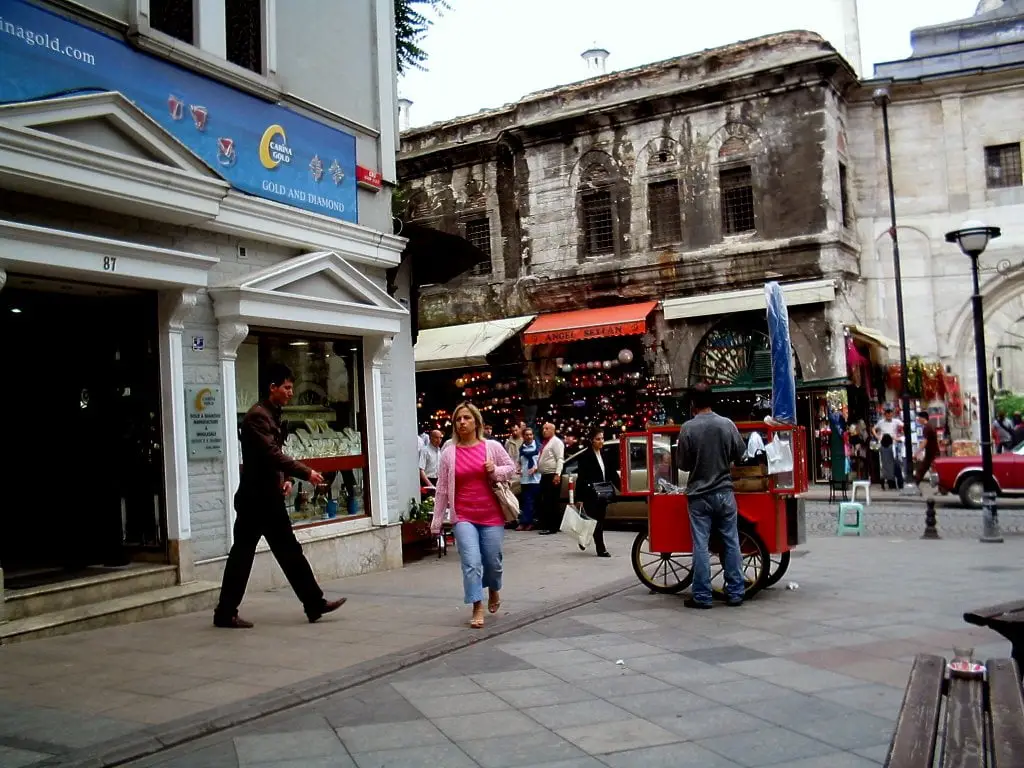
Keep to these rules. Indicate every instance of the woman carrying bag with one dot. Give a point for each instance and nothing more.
(596, 481)
(469, 470)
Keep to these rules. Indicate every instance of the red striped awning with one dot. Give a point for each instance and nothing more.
(561, 327)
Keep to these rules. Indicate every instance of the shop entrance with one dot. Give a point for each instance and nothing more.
(82, 485)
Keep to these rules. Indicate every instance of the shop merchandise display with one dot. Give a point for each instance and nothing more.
(318, 440)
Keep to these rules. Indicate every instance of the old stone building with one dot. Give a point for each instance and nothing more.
(956, 132)
(688, 182)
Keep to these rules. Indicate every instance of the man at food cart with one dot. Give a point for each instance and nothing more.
(709, 445)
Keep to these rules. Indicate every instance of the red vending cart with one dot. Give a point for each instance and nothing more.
(771, 510)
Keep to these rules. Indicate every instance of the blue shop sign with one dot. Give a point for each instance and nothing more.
(258, 147)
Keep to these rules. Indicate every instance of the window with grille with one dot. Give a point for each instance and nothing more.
(598, 222)
(844, 196)
(1002, 166)
(737, 191)
(244, 22)
(478, 233)
(173, 17)
(663, 212)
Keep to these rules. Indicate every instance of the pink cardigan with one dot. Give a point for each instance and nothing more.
(444, 496)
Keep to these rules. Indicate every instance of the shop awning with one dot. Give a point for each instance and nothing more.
(561, 327)
(464, 346)
(873, 337)
(747, 300)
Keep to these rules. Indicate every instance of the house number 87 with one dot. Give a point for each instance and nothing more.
(110, 263)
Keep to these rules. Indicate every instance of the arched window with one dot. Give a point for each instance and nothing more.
(597, 210)
(736, 353)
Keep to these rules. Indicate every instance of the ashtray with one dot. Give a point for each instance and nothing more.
(966, 669)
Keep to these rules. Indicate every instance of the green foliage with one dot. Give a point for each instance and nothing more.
(411, 25)
(1008, 403)
(420, 511)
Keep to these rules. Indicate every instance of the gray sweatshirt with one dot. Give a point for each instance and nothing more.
(709, 445)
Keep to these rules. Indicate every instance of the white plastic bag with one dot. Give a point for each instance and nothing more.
(780, 456)
(575, 522)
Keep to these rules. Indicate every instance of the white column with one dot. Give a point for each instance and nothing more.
(375, 350)
(174, 307)
(230, 336)
(210, 31)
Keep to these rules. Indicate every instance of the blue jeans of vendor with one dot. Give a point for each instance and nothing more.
(716, 512)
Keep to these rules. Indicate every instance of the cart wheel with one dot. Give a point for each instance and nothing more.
(663, 572)
(779, 566)
(755, 562)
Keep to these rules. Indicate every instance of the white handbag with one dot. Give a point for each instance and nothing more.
(576, 522)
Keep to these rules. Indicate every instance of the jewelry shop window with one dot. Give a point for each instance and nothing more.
(324, 422)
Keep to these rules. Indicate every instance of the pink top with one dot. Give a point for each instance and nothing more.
(474, 497)
(449, 493)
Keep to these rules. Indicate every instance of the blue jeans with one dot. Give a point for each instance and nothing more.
(528, 493)
(480, 553)
(718, 510)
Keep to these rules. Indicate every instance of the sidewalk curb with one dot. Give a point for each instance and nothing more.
(149, 741)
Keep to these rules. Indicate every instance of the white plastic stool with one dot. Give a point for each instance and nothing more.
(864, 485)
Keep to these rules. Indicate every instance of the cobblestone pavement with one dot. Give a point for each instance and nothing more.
(805, 678)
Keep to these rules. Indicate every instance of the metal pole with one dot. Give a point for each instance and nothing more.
(990, 515)
(908, 473)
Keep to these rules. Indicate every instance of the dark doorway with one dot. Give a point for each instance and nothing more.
(82, 484)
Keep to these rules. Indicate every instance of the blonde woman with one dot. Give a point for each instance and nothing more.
(469, 468)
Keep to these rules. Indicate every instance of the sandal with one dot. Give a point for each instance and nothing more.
(477, 622)
(493, 605)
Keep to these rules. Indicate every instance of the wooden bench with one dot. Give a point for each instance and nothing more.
(1008, 620)
(965, 723)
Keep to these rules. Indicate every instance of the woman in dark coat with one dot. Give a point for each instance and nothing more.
(592, 468)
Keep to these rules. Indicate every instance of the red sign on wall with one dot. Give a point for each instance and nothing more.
(368, 179)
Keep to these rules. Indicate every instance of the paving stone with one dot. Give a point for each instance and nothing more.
(220, 755)
(534, 648)
(355, 712)
(629, 652)
(656, 704)
(259, 748)
(432, 688)
(856, 730)
(740, 691)
(765, 747)
(877, 753)
(725, 654)
(793, 708)
(593, 671)
(557, 660)
(576, 713)
(880, 700)
(593, 641)
(835, 760)
(507, 681)
(382, 736)
(579, 762)
(626, 734)
(78, 731)
(484, 726)
(811, 680)
(562, 693)
(16, 758)
(671, 756)
(526, 749)
(709, 721)
(464, 704)
(694, 674)
(446, 755)
(623, 684)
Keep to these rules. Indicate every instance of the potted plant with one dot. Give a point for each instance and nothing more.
(416, 522)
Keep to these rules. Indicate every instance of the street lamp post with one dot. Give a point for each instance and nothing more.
(973, 237)
(882, 97)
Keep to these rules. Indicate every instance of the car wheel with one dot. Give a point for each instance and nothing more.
(971, 491)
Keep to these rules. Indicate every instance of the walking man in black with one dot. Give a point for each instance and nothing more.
(259, 504)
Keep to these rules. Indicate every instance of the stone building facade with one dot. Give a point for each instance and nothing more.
(956, 138)
(688, 182)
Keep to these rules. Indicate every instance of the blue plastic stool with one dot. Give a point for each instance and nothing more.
(844, 526)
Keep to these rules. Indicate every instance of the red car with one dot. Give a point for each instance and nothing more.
(962, 475)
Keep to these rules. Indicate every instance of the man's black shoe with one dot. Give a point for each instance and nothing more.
(734, 603)
(235, 622)
(548, 533)
(691, 603)
(327, 607)
(604, 554)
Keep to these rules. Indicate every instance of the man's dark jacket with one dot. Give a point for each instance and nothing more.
(264, 463)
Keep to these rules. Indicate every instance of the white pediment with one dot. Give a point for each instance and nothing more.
(108, 122)
(319, 292)
(100, 150)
